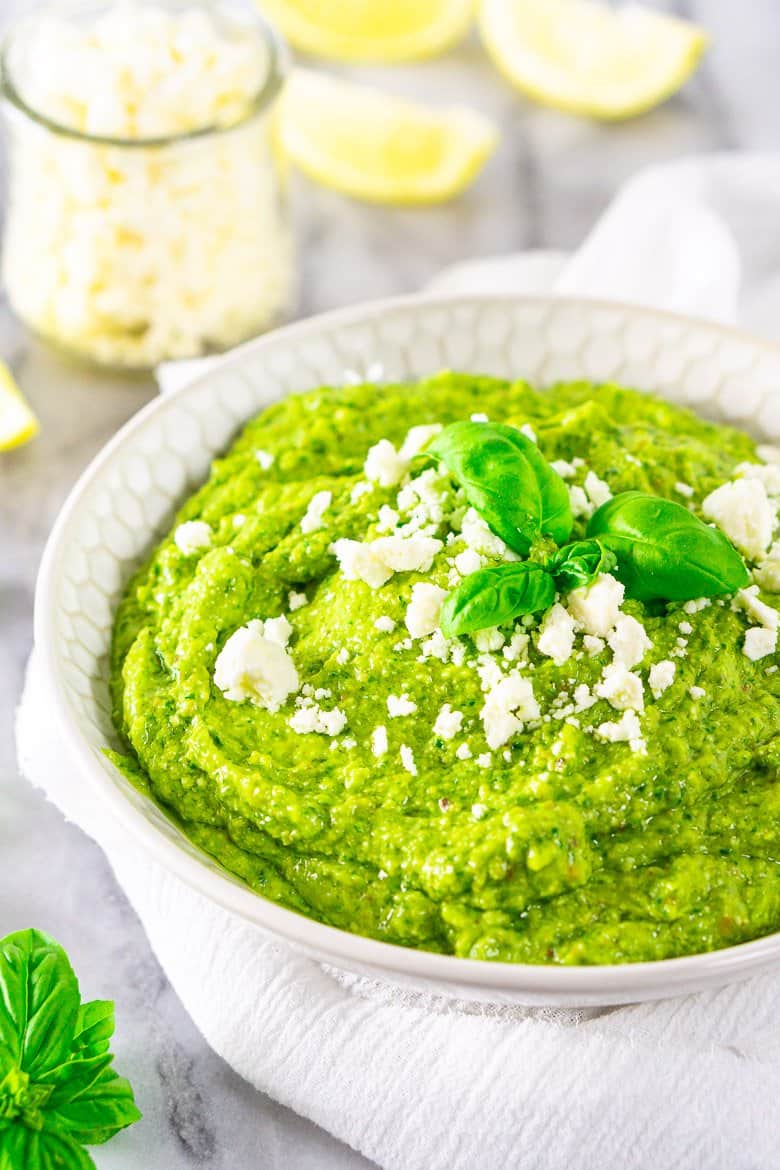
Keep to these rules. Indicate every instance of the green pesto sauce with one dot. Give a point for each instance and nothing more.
(591, 853)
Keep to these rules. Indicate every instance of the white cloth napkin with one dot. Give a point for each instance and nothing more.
(418, 1083)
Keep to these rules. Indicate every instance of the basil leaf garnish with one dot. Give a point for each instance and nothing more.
(579, 563)
(492, 596)
(507, 481)
(664, 552)
(57, 1091)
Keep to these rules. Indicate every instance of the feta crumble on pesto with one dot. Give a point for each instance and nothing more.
(591, 777)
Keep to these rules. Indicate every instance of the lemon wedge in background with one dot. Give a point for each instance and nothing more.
(371, 30)
(378, 147)
(17, 421)
(588, 58)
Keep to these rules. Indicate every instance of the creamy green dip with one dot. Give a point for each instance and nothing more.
(557, 846)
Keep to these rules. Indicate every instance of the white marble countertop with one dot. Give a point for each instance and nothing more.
(548, 182)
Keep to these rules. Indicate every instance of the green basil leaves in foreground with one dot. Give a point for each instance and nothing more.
(507, 480)
(579, 563)
(664, 552)
(57, 1089)
(492, 596)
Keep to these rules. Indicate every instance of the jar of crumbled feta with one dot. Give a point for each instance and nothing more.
(147, 217)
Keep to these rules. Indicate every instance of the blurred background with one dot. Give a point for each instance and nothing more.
(543, 187)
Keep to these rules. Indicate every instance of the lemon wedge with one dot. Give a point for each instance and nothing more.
(17, 421)
(373, 146)
(380, 30)
(588, 58)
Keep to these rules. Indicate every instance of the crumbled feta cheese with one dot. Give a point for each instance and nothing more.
(620, 687)
(265, 459)
(257, 667)
(517, 648)
(379, 740)
(486, 641)
(468, 562)
(361, 488)
(479, 416)
(696, 692)
(685, 628)
(484, 760)
(436, 646)
(684, 489)
(448, 722)
(529, 432)
(463, 752)
(387, 519)
(191, 536)
(375, 561)
(626, 730)
(580, 504)
(407, 759)
(629, 641)
(384, 624)
(489, 671)
(583, 699)
(742, 510)
(479, 537)
(697, 605)
(478, 811)
(311, 719)
(343, 656)
(508, 705)
(297, 600)
(417, 438)
(595, 607)
(593, 645)
(100, 253)
(422, 612)
(596, 490)
(563, 469)
(768, 474)
(759, 641)
(661, 676)
(400, 705)
(318, 506)
(278, 630)
(767, 574)
(384, 465)
(556, 638)
(239, 520)
(761, 613)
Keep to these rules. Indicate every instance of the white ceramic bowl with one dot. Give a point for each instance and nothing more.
(125, 499)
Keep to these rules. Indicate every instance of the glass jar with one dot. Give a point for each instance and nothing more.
(136, 247)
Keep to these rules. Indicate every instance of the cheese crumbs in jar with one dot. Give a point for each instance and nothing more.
(147, 217)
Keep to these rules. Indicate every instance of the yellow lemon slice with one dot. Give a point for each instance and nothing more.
(588, 58)
(17, 421)
(373, 146)
(371, 30)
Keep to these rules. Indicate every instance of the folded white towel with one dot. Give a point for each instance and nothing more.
(418, 1083)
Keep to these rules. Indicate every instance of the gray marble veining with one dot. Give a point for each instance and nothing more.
(546, 185)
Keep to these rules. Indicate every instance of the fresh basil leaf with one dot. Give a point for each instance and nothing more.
(39, 1000)
(99, 1112)
(74, 1076)
(579, 563)
(492, 596)
(507, 480)
(28, 1149)
(94, 1027)
(664, 552)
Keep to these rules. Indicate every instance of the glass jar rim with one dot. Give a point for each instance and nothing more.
(278, 63)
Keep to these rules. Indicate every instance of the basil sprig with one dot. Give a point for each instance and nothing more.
(579, 563)
(507, 480)
(492, 596)
(657, 548)
(58, 1092)
(664, 552)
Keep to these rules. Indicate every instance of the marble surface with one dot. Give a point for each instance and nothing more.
(549, 181)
